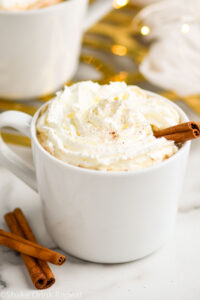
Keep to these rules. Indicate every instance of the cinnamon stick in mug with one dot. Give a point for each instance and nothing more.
(177, 128)
(24, 246)
(180, 133)
(182, 137)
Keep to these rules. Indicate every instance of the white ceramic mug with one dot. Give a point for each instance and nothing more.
(40, 48)
(95, 215)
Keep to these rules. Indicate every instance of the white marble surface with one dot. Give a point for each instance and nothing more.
(172, 273)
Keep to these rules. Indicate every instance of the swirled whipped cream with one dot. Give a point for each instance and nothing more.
(107, 127)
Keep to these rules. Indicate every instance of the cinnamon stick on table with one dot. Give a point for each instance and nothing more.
(30, 236)
(24, 246)
(40, 273)
(180, 133)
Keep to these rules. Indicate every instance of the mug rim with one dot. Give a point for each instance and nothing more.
(35, 11)
(154, 167)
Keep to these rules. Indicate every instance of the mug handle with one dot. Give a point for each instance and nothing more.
(18, 166)
(96, 11)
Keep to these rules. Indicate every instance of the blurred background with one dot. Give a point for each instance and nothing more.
(153, 44)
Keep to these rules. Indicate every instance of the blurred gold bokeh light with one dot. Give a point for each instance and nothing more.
(119, 3)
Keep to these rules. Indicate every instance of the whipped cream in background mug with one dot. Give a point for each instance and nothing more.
(26, 4)
(10, 4)
(13, 4)
(107, 127)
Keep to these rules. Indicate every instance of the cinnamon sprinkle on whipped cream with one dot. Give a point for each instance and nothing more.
(108, 127)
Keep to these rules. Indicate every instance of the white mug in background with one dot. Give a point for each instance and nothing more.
(39, 49)
(95, 215)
